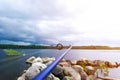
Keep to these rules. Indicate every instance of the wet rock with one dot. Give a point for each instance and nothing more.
(58, 71)
(22, 77)
(69, 71)
(30, 60)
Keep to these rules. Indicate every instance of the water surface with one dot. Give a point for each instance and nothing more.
(12, 67)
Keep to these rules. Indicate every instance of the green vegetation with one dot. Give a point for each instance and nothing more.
(94, 47)
(4, 46)
(11, 52)
(104, 69)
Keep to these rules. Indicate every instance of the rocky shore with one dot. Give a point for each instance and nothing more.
(83, 69)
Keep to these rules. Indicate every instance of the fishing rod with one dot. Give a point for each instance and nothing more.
(45, 72)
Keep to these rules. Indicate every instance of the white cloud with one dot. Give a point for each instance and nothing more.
(82, 22)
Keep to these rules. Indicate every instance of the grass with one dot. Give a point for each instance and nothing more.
(11, 52)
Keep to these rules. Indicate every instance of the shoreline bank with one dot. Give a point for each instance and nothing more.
(83, 69)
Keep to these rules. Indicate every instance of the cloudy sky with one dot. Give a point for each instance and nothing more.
(47, 22)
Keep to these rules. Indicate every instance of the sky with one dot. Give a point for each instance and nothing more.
(48, 22)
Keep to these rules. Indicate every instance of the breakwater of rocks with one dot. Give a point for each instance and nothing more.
(83, 69)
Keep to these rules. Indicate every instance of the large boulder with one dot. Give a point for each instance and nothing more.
(39, 65)
(78, 68)
(68, 78)
(90, 70)
(65, 64)
(73, 62)
(38, 59)
(81, 71)
(58, 71)
(52, 77)
(32, 72)
(111, 64)
(47, 61)
(69, 71)
(30, 60)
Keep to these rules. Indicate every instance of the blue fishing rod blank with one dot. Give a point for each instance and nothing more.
(45, 72)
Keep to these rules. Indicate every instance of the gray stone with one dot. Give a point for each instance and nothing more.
(69, 71)
(34, 69)
(32, 72)
(68, 78)
(30, 60)
(52, 77)
(90, 70)
(58, 71)
(38, 59)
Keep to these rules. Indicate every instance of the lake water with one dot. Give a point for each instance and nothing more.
(12, 67)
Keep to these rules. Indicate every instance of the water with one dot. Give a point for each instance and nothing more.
(12, 67)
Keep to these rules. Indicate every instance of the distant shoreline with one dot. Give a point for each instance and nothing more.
(3, 46)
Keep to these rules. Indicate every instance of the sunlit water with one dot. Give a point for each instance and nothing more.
(12, 67)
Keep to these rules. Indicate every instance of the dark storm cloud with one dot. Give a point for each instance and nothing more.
(18, 20)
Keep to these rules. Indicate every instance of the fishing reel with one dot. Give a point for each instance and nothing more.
(59, 46)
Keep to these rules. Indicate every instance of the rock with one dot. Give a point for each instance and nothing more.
(22, 77)
(69, 71)
(65, 64)
(92, 77)
(73, 62)
(52, 77)
(32, 72)
(48, 63)
(112, 64)
(39, 65)
(78, 68)
(38, 59)
(90, 70)
(83, 75)
(30, 60)
(97, 62)
(47, 59)
(58, 71)
(79, 62)
(63, 60)
(68, 78)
